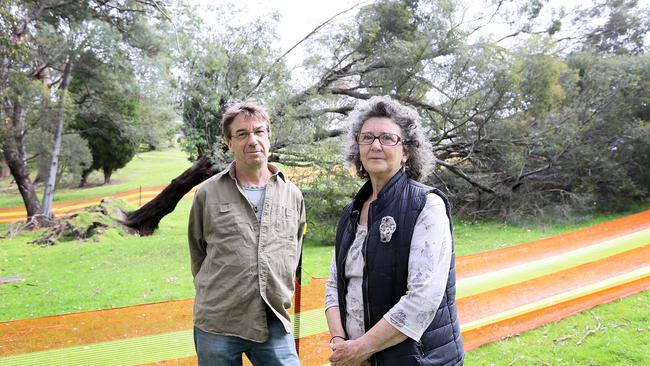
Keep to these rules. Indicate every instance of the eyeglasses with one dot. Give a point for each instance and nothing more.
(385, 138)
(243, 135)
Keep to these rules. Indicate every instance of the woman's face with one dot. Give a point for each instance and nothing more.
(381, 161)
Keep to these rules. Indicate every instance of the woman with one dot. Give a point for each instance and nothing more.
(390, 298)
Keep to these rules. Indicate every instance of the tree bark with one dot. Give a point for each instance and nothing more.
(13, 146)
(84, 177)
(145, 220)
(25, 187)
(48, 193)
(107, 175)
(13, 151)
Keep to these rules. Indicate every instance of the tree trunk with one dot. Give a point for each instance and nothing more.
(21, 176)
(84, 177)
(48, 193)
(107, 175)
(145, 220)
(13, 151)
(13, 147)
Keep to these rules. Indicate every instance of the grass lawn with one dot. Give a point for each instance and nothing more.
(617, 333)
(117, 270)
(122, 270)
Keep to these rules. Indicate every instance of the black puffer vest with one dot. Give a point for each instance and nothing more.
(386, 270)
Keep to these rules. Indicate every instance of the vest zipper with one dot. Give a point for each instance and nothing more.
(365, 270)
(420, 348)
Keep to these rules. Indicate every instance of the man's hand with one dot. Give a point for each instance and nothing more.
(349, 353)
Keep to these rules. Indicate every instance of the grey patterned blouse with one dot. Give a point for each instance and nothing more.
(428, 268)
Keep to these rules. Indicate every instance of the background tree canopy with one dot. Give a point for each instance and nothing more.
(531, 111)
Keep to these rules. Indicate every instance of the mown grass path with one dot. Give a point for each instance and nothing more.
(500, 293)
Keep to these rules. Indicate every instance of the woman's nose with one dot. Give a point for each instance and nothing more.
(376, 145)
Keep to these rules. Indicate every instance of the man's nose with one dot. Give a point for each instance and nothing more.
(251, 139)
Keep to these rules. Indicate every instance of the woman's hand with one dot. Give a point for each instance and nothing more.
(348, 353)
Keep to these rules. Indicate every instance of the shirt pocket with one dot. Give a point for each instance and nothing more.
(224, 220)
(283, 244)
(285, 222)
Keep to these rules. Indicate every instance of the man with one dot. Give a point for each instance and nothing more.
(245, 234)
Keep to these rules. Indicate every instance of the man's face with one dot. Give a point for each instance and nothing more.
(249, 142)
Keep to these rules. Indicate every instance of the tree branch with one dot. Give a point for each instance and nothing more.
(268, 71)
(466, 177)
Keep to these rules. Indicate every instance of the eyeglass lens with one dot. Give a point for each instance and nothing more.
(387, 139)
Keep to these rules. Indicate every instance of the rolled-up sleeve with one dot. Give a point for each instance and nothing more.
(428, 269)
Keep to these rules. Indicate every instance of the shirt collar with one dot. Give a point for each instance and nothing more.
(272, 168)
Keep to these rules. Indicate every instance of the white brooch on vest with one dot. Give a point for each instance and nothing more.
(387, 228)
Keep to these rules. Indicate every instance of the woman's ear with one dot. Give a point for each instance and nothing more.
(405, 157)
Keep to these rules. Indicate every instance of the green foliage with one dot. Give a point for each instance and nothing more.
(222, 66)
(107, 106)
(561, 144)
(110, 149)
(43, 39)
(623, 30)
(524, 123)
(327, 186)
(539, 74)
(385, 23)
(613, 91)
(638, 155)
(326, 196)
(74, 159)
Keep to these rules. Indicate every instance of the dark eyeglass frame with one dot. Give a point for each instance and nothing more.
(357, 138)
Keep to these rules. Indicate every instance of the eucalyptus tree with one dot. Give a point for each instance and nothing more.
(106, 103)
(495, 107)
(217, 66)
(390, 47)
(498, 116)
(619, 27)
(38, 56)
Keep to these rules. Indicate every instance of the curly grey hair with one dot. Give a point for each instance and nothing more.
(414, 140)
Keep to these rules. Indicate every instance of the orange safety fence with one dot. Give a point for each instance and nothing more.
(612, 260)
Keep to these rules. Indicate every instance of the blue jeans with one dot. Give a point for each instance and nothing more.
(218, 350)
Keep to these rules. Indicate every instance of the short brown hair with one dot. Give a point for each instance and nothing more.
(249, 109)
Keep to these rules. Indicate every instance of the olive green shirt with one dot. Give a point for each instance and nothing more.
(239, 265)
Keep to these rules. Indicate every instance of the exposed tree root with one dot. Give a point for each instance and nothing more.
(85, 224)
